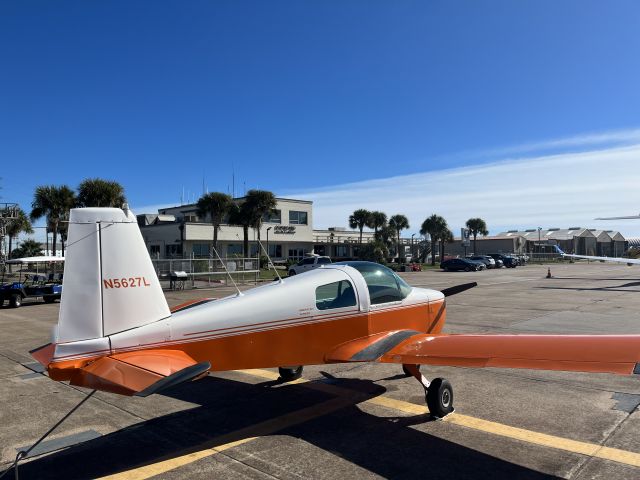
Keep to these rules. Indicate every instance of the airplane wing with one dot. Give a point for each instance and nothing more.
(628, 261)
(629, 217)
(139, 373)
(583, 353)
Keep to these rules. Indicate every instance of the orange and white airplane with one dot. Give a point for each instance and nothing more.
(115, 332)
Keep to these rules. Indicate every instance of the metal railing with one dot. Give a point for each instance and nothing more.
(207, 272)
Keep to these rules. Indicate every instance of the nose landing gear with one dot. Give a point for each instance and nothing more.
(438, 393)
(289, 374)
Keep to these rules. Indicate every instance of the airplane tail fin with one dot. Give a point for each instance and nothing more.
(109, 283)
(559, 250)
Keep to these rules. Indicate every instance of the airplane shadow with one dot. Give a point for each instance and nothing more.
(389, 446)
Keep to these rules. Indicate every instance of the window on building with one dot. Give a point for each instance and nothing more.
(335, 295)
(154, 250)
(200, 249)
(274, 217)
(297, 218)
(296, 253)
(173, 251)
(275, 250)
(234, 249)
(190, 217)
(319, 249)
(341, 250)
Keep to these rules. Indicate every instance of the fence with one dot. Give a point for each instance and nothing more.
(206, 272)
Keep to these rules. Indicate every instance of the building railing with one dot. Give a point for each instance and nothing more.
(207, 271)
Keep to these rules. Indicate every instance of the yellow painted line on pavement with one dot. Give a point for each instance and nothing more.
(348, 397)
(494, 428)
(236, 438)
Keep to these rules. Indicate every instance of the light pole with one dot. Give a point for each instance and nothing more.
(268, 254)
(412, 252)
(539, 246)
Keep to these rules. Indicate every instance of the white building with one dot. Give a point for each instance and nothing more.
(178, 232)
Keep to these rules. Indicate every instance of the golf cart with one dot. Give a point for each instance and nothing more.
(31, 284)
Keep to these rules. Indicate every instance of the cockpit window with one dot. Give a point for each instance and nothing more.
(335, 295)
(383, 284)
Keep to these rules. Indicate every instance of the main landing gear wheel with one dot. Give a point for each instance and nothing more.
(440, 398)
(288, 374)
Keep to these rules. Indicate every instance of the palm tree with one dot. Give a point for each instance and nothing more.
(96, 192)
(53, 203)
(241, 216)
(477, 226)
(28, 248)
(16, 226)
(376, 221)
(262, 203)
(216, 205)
(359, 220)
(399, 223)
(445, 237)
(433, 226)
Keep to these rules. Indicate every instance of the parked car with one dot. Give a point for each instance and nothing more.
(509, 261)
(455, 264)
(308, 263)
(486, 259)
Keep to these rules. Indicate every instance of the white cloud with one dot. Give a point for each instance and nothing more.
(561, 190)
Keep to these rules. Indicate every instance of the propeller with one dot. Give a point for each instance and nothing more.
(458, 288)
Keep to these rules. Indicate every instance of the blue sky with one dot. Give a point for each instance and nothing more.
(303, 98)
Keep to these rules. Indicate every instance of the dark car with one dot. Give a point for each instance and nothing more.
(455, 264)
(486, 259)
(509, 262)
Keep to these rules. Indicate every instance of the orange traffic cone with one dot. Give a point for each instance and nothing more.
(549, 272)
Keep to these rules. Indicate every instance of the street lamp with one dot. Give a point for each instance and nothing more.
(539, 246)
(268, 254)
(412, 252)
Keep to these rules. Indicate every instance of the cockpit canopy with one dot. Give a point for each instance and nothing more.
(383, 283)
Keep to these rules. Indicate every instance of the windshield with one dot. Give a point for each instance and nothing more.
(383, 283)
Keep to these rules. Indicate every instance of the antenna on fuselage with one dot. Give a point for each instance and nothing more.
(270, 262)
(226, 270)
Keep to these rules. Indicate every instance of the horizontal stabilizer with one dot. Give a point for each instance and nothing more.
(139, 373)
(583, 353)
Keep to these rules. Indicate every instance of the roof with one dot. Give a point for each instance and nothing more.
(551, 233)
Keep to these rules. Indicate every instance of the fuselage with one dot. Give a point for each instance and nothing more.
(297, 321)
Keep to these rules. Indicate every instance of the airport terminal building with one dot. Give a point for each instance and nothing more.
(178, 232)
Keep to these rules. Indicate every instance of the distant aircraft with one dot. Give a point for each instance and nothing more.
(116, 333)
(630, 217)
(628, 261)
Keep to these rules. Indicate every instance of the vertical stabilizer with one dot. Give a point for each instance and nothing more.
(109, 284)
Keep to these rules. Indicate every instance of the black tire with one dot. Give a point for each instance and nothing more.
(440, 398)
(288, 374)
(292, 273)
(49, 299)
(467, 269)
(15, 300)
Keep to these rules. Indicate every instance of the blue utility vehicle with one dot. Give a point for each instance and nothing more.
(47, 286)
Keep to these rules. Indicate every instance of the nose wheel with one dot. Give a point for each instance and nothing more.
(438, 393)
(289, 374)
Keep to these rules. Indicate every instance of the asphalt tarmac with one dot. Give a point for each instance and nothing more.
(352, 420)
